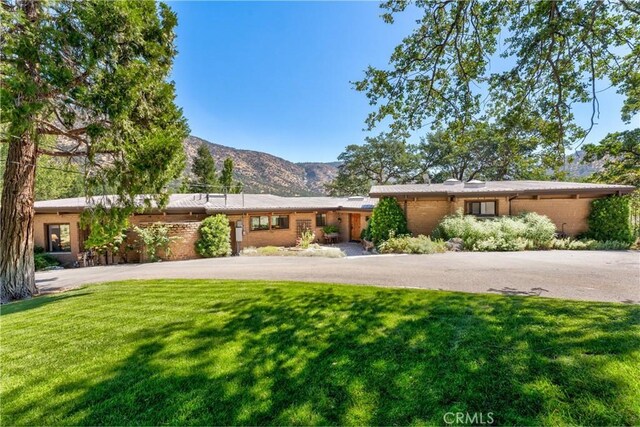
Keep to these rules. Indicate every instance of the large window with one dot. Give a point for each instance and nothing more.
(321, 219)
(279, 221)
(482, 208)
(58, 238)
(259, 222)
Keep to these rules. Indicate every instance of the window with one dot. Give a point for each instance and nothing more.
(279, 221)
(321, 219)
(58, 238)
(482, 208)
(259, 222)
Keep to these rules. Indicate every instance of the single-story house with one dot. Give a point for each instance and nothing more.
(274, 220)
(567, 204)
(266, 220)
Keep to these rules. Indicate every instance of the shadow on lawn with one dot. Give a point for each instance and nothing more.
(36, 302)
(318, 357)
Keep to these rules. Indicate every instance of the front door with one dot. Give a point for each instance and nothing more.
(354, 228)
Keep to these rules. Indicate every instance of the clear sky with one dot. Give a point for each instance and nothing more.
(275, 76)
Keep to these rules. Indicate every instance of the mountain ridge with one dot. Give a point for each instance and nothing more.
(262, 172)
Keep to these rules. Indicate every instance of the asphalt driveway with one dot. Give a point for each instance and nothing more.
(581, 275)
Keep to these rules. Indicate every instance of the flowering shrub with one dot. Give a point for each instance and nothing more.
(412, 245)
(527, 231)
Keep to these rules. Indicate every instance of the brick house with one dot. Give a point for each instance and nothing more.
(266, 220)
(567, 204)
(274, 220)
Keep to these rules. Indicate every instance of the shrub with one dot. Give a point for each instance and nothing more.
(215, 237)
(306, 238)
(527, 231)
(387, 217)
(588, 244)
(152, 239)
(312, 251)
(365, 234)
(539, 229)
(412, 245)
(42, 260)
(328, 229)
(609, 220)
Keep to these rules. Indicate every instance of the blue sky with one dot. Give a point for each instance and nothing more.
(275, 76)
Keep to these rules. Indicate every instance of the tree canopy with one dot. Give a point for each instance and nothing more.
(620, 152)
(383, 159)
(94, 76)
(517, 61)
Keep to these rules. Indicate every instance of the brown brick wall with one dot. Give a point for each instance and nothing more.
(423, 215)
(572, 213)
(185, 227)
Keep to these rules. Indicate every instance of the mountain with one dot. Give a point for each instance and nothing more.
(265, 173)
(577, 170)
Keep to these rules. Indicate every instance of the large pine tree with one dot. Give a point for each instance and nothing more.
(94, 75)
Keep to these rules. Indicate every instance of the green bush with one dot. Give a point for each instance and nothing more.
(609, 220)
(365, 234)
(328, 229)
(43, 260)
(387, 217)
(412, 245)
(152, 239)
(527, 231)
(215, 237)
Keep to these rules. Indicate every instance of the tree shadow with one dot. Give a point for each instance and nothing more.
(36, 302)
(384, 357)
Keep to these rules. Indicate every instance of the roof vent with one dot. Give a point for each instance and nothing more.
(451, 181)
(356, 198)
(474, 183)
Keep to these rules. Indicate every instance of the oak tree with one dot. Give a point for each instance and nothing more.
(484, 60)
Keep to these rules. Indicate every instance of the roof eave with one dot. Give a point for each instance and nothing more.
(605, 190)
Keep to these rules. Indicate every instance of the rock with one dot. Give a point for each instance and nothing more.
(455, 245)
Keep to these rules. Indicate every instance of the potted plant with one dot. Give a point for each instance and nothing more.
(331, 232)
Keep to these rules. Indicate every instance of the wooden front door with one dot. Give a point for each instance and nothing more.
(354, 227)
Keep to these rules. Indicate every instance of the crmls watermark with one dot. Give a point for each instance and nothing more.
(468, 418)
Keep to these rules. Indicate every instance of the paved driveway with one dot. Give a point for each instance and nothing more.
(580, 275)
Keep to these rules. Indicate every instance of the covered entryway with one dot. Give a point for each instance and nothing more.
(354, 227)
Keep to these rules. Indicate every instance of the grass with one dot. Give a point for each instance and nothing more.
(231, 352)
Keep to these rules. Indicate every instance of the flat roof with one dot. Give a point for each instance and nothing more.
(497, 188)
(220, 203)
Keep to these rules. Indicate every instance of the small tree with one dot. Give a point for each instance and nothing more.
(204, 171)
(215, 237)
(609, 220)
(387, 218)
(226, 178)
(152, 239)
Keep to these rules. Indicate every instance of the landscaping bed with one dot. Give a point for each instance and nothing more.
(262, 353)
(313, 250)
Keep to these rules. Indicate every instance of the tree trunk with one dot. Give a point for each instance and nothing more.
(17, 277)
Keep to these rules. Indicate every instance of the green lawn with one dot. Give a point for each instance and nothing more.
(227, 352)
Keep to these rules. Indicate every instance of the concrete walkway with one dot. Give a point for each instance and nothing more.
(580, 275)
